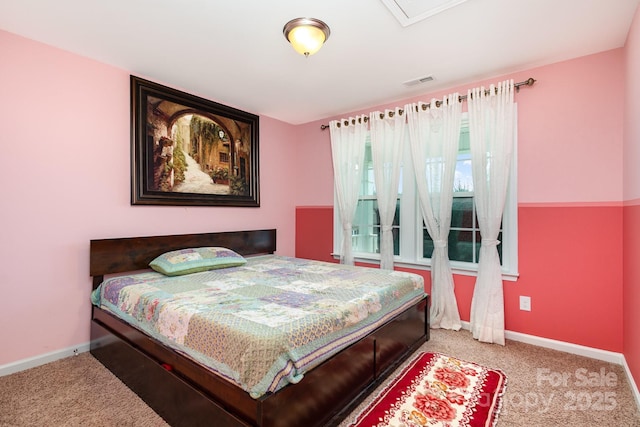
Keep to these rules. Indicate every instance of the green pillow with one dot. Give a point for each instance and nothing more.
(193, 260)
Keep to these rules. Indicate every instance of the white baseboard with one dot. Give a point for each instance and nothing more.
(594, 353)
(42, 359)
(634, 387)
(580, 350)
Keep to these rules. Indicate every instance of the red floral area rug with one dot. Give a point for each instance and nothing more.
(435, 390)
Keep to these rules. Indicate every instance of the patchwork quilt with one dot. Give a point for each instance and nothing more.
(264, 324)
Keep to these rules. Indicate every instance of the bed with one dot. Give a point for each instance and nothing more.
(184, 390)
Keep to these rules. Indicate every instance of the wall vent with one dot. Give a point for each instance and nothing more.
(418, 81)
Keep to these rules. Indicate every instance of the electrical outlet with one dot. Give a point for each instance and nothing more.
(525, 303)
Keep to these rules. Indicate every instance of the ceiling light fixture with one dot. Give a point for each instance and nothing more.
(306, 35)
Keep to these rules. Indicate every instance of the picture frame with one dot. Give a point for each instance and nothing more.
(190, 151)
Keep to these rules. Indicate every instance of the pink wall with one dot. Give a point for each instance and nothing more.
(65, 180)
(570, 201)
(564, 132)
(65, 122)
(631, 289)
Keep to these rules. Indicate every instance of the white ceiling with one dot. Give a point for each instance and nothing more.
(233, 51)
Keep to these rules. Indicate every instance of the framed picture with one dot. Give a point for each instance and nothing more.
(187, 150)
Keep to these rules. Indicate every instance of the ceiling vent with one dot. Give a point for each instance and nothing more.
(418, 81)
(411, 11)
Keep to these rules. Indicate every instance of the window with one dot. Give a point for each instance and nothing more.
(412, 245)
(366, 233)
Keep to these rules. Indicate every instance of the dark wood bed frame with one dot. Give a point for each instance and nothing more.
(186, 394)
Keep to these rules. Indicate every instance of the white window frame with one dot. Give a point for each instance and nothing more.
(411, 237)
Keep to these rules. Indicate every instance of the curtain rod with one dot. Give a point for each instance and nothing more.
(529, 82)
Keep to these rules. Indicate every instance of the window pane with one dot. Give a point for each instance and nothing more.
(368, 187)
(366, 214)
(462, 247)
(464, 145)
(462, 212)
(365, 239)
(427, 244)
(455, 246)
(477, 246)
(395, 231)
(459, 244)
(463, 180)
(366, 227)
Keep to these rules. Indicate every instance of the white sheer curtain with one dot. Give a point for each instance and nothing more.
(387, 140)
(434, 134)
(348, 140)
(491, 121)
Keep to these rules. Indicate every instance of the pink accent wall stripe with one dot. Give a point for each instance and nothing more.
(570, 266)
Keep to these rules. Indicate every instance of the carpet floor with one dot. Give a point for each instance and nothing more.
(544, 388)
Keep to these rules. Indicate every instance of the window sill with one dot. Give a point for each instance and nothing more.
(507, 276)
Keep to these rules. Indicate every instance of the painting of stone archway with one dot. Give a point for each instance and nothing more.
(187, 150)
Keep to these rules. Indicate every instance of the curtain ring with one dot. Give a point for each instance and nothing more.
(391, 114)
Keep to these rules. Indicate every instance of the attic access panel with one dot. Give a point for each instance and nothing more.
(411, 11)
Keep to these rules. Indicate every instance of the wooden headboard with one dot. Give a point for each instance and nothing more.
(107, 256)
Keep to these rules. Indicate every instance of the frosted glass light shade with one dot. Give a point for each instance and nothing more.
(306, 35)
